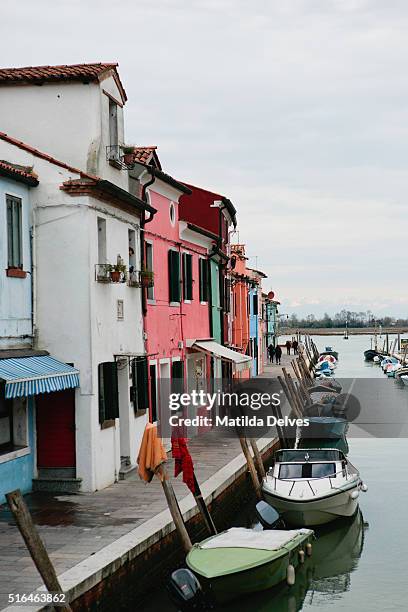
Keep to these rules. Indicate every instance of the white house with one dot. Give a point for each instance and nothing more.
(86, 265)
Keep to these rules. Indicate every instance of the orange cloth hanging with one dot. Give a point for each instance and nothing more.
(151, 453)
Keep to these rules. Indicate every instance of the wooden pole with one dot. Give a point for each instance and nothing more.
(258, 459)
(174, 508)
(251, 467)
(34, 543)
(202, 506)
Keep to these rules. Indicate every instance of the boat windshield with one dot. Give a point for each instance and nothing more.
(311, 454)
(306, 470)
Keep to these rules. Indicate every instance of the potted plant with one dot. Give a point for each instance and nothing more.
(117, 270)
(147, 277)
(128, 154)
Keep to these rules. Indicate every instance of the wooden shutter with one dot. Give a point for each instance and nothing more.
(204, 276)
(108, 391)
(187, 276)
(174, 276)
(140, 389)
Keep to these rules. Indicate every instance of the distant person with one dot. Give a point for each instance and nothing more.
(271, 352)
(278, 354)
(288, 346)
(295, 345)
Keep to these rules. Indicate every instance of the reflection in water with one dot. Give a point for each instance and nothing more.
(336, 552)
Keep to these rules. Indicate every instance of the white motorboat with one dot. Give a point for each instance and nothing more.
(312, 486)
(404, 379)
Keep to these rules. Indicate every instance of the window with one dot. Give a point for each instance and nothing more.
(14, 231)
(108, 391)
(13, 423)
(177, 376)
(255, 304)
(113, 125)
(187, 276)
(203, 280)
(6, 423)
(172, 213)
(153, 392)
(139, 392)
(227, 295)
(149, 267)
(174, 276)
(307, 470)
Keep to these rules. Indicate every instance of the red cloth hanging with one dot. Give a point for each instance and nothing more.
(183, 461)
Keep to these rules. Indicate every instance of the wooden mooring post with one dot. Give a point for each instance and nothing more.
(251, 467)
(34, 544)
(174, 508)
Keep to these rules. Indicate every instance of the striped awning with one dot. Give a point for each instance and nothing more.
(34, 375)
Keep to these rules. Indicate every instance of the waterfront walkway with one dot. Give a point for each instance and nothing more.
(75, 528)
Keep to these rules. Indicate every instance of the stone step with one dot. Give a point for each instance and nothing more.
(126, 470)
(57, 485)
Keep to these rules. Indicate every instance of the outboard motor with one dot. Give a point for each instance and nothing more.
(268, 516)
(185, 590)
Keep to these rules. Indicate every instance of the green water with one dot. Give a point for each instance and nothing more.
(359, 565)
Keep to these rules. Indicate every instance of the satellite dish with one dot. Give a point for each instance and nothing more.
(271, 295)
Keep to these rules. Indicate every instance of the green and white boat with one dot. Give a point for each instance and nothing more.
(241, 561)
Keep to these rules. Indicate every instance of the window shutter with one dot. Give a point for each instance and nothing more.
(187, 276)
(204, 264)
(140, 390)
(108, 391)
(174, 276)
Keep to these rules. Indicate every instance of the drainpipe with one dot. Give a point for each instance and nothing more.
(143, 222)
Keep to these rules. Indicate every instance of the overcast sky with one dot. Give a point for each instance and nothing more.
(297, 110)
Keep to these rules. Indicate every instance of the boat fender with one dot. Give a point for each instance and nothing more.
(364, 487)
(301, 554)
(309, 549)
(354, 495)
(290, 575)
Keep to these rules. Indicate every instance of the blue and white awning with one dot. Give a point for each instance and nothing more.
(34, 375)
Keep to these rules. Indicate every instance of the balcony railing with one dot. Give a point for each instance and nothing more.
(109, 273)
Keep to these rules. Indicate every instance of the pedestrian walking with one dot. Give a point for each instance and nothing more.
(278, 354)
(271, 352)
(288, 346)
(295, 345)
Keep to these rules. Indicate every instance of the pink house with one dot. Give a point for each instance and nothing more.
(176, 304)
(177, 298)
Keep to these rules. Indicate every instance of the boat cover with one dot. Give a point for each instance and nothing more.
(239, 537)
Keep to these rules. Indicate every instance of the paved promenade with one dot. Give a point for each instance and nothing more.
(76, 527)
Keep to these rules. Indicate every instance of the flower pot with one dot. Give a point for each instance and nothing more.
(115, 276)
(128, 159)
(147, 281)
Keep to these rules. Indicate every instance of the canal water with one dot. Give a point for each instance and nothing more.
(357, 565)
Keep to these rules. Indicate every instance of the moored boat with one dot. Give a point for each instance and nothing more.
(312, 487)
(241, 561)
(404, 379)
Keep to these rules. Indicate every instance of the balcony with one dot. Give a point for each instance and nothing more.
(110, 273)
(119, 273)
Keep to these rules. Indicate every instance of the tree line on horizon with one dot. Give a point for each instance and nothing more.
(353, 319)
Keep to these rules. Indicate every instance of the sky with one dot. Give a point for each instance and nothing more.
(296, 110)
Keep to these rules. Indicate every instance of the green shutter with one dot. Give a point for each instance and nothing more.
(111, 393)
(140, 383)
(101, 394)
(174, 276)
(187, 276)
(204, 276)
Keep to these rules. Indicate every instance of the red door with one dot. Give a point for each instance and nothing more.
(56, 429)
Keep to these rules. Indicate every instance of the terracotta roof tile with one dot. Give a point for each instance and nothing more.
(19, 172)
(73, 72)
(144, 154)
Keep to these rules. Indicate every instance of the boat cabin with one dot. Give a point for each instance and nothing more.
(296, 464)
